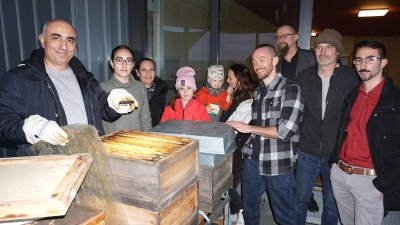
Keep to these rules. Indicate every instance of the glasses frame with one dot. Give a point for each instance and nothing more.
(284, 36)
(124, 61)
(372, 58)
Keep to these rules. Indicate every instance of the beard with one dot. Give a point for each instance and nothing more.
(266, 74)
(366, 78)
(326, 60)
(284, 48)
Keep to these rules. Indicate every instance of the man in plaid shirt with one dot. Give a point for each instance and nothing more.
(271, 152)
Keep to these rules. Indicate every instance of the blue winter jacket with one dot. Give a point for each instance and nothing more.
(27, 90)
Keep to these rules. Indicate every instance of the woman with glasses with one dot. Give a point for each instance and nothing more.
(122, 63)
(156, 88)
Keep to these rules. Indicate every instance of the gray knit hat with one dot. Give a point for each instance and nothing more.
(332, 37)
(215, 71)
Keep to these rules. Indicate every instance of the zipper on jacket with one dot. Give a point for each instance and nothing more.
(57, 114)
(183, 109)
(90, 101)
(341, 131)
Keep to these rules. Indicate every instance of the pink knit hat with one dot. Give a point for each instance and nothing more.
(185, 77)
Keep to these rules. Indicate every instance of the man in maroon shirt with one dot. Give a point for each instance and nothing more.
(365, 163)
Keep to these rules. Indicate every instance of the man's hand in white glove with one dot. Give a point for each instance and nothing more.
(121, 101)
(37, 128)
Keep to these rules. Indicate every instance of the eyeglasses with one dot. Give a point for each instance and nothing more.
(284, 36)
(368, 60)
(327, 48)
(120, 61)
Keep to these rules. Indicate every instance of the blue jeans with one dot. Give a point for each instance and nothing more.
(280, 190)
(308, 168)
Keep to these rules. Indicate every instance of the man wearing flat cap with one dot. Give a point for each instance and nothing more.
(324, 87)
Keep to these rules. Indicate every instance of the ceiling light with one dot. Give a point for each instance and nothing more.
(313, 34)
(372, 12)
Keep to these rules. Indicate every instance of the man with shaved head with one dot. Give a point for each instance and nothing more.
(52, 89)
(271, 150)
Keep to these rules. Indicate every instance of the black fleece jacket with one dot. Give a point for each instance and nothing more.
(318, 137)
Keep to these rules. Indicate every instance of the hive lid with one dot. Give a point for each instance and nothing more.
(40, 186)
(214, 137)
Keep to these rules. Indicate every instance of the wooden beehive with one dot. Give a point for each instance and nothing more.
(156, 176)
(214, 182)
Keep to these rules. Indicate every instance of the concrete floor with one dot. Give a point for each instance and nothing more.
(393, 218)
(266, 217)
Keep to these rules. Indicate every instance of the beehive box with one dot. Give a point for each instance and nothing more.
(215, 178)
(216, 145)
(156, 176)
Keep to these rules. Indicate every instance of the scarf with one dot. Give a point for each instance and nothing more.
(150, 90)
(215, 91)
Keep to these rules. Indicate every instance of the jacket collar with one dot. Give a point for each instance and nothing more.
(387, 95)
(273, 83)
(37, 61)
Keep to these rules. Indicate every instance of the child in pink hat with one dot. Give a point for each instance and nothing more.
(184, 106)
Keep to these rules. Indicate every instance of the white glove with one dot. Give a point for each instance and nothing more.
(117, 96)
(37, 128)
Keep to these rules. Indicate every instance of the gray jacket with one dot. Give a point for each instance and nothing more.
(306, 58)
(318, 137)
(140, 118)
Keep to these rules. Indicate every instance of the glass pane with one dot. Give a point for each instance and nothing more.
(240, 32)
(184, 36)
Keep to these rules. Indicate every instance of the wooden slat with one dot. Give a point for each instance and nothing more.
(214, 181)
(182, 209)
(177, 174)
(138, 215)
(40, 186)
(76, 215)
(137, 183)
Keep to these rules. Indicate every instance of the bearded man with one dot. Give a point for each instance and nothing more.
(292, 59)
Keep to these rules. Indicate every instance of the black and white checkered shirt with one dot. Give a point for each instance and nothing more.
(278, 104)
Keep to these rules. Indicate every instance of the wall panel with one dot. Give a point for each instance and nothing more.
(100, 25)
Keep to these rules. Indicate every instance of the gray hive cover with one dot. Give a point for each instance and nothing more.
(208, 159)
(214, 137)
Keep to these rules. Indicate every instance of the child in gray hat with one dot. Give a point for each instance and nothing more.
(213, 95)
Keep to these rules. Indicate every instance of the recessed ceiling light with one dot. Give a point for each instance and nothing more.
(372, 12)
(313, 34)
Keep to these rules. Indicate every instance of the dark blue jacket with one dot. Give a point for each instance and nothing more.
(383, 133)
(27, 90)
(158, 101)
